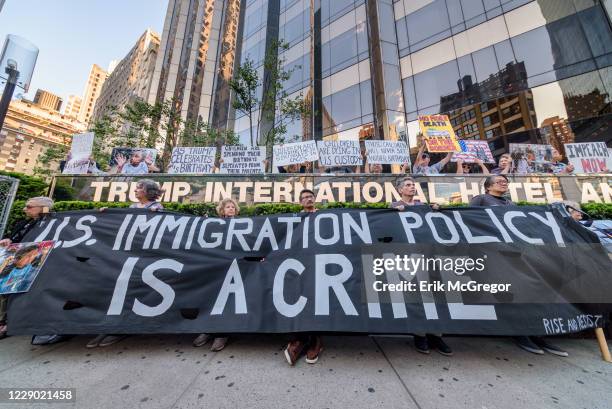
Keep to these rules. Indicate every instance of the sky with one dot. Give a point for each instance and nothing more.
(72, 35)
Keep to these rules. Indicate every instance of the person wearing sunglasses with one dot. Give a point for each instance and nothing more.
(496, 187)
(465, 168)
(35, 209)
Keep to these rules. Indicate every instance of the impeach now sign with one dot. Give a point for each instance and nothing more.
(593, 157)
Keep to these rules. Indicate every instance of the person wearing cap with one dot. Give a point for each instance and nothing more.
(422, 164)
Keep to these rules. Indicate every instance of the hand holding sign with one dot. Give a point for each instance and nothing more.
(339, 153)
(593, 157)
(242, 160)
(295, 153)
(386, 152)
(438, 133)
(80, 151)
(198, 160)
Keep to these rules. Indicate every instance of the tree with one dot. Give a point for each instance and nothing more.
(156, 126)
(269, 113)
(200, 133)
(51, 158)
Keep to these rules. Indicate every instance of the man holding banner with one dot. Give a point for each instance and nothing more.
(298, 342)
(406, 187)
(496, 187)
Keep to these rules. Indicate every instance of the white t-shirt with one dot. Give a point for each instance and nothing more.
(141, 169)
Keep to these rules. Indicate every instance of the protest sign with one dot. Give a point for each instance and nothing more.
(200, 160)
(80, 151)
(20, 264)
(438, 133)
(242, 160)
(136, 271)
(387, 152)
(339, 153)
(133, 161)
(531, 158)
(294, 153)
(592, 157)
(472, 150)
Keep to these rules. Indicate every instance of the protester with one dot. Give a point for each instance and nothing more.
(294, 168)
(574, 210)
(504, 165)
(138, 163)
(406, 187)
(226, 208)
(422, 166)
(147, 193)
(312, 342)
(35, 209)
(496, 186)
(465, 168)
(372, 168)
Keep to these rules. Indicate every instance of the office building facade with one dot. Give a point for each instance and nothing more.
(28, 131)
(48, 100)
(95, 81)
(503, 70)
(73, 106)
(131, 78)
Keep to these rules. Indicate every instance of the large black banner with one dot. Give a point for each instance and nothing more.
(503, 270)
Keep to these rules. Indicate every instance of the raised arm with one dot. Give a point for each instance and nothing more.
(446, 159)
(485, 170)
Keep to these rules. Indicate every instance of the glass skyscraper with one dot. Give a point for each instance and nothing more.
(505, 71)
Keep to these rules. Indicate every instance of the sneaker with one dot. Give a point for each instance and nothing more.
(527, 344)
(551, 349)
(110, 340)
(201, 340)
(293, 351)
(48, 339)
(314, 350)
(421, 344)
(3, 331)
(439, 344)
(95, 342)
(218, 344)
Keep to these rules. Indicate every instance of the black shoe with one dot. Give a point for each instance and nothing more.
(421, 344)
(48, 339)
(551, 349)
(527, 344)
(439, 345)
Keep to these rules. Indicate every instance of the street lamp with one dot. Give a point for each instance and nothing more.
(17, 63)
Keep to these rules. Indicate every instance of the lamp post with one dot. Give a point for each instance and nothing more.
(17, 63)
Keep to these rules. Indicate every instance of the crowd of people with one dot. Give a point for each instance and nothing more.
(148, 194)
(139, 161)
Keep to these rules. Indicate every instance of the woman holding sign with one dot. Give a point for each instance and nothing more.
(225, 208)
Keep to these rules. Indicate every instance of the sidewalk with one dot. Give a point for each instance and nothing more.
(353, 372)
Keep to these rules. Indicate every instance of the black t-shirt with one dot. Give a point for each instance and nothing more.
(490, 200)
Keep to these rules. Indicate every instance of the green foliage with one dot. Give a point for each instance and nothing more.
(50, 159)
(146, 125)
(29, 186)
(598, 211)
(15, 215)
(63, 190)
